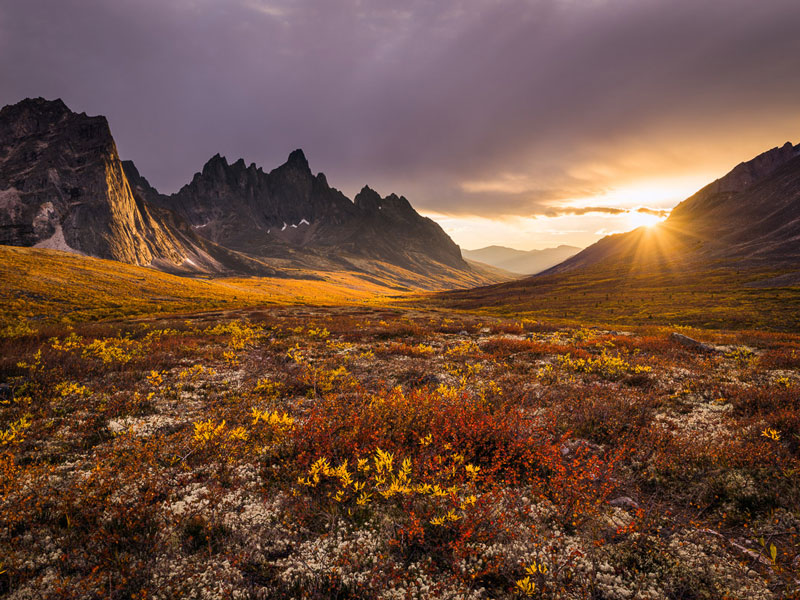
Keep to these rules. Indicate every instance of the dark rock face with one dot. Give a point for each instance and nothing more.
(62, 186)
(246, 209)
(393, 228)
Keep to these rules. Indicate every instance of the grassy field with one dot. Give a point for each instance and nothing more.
(46, 287)
(291, 438)
(358, 452)
(714, 297)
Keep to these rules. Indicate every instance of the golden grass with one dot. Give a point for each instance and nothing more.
(707, 297)
(48, 286)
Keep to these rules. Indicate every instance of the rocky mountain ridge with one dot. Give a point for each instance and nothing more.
(268, 214)
(63, 186)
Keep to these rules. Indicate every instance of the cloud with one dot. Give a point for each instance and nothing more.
(464, 106)
(658, 212)
(609, 210)
(585, 210)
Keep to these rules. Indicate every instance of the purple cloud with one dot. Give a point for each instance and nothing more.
(423, 96)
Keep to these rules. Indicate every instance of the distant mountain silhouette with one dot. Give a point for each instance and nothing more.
(524, 262)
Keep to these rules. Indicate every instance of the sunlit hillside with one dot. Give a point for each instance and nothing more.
(52, 287)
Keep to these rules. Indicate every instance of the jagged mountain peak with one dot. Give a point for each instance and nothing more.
(367, 199)
(396, 202)
(297, 159)
(215, 163)
(63, 187)
(66, 187)
(218, 165)
(264, 214)
(45, 120)
(295, 166)
(38, 105)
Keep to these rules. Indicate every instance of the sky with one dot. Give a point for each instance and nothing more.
(525, 123)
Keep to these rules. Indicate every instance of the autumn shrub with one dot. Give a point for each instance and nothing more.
(762, 400)
(398, 348)
(508, 327)
(508, 448)
(783, 356)
(605, 416)
(397, 329)
(505, 346)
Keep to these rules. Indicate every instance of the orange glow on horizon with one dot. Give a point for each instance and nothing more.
(640, 219)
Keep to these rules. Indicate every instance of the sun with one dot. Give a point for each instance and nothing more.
(640, 219)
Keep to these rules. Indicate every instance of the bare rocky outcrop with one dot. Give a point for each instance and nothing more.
(63, 187)
(685, 340)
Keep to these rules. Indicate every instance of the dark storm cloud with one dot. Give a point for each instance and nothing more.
(418, 97)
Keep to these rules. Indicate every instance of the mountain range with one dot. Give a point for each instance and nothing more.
(523, 262)
(63, 186)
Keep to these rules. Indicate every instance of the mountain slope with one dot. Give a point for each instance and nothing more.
(524, 262)
(727, 257)
(750, 216)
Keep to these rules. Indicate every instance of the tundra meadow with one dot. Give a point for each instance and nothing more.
(397, 453)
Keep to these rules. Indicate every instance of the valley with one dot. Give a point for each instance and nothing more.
(259, 388)
(318, 451)
(283, 438)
